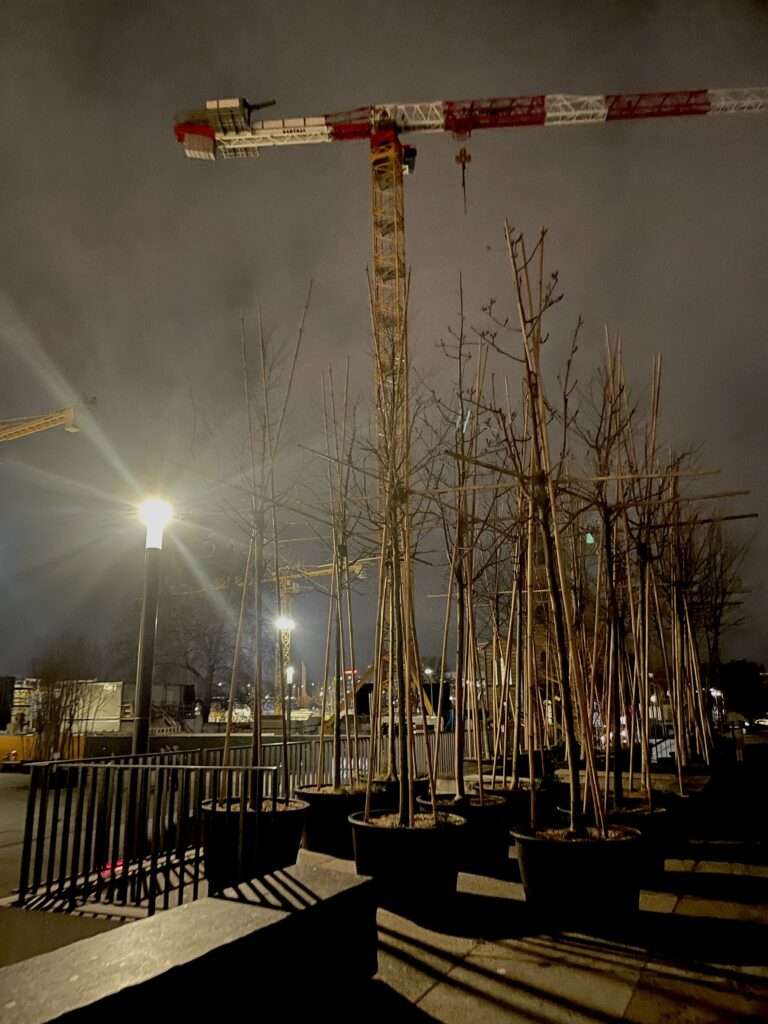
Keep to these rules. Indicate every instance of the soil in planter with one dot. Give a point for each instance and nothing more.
(393, 821)
(589, 835)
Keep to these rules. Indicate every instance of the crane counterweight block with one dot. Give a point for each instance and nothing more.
(198, 140)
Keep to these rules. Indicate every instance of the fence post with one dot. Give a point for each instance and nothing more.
(29, 825)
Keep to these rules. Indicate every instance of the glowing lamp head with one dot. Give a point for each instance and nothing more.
(284, 624)
(155, 514)
(429, 672)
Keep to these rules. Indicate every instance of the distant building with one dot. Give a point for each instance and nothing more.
(95, 706)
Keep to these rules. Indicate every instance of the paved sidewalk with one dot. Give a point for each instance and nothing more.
(14, 788)
(689, 957)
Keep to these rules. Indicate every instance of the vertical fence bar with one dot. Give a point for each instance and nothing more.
(181, 836)
(29, 828)
(114, 842)
(92, 781)
(169, 838)
(53, 835)
(42, 827)
(130, 850)
(101, 826)
(156, 818)
(74, 867)
(140, 834)
(67, 776)
(198, 782)
(241, 824)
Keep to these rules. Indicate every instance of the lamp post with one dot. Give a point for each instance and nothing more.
(155, 514)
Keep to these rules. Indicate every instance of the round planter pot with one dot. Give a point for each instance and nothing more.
(391, 790)
(326, 827)
(412, 867)
(486, 837)
(517, 801)
(270, 840)
(581, 880)
(656, 829)
(539, 757)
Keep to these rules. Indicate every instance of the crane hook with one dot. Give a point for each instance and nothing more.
(464, 157)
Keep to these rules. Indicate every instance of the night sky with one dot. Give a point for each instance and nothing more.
(125, 268)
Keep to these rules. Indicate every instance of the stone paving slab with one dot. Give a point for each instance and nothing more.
(696, 906)
(660, 997)
(522, 988)
(524, 973)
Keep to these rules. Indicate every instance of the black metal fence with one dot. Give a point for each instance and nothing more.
(306, 767)
(125, 833)
(128, 830)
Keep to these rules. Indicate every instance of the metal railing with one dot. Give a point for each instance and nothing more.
(304, 758)
(128, 829)
(125, 833)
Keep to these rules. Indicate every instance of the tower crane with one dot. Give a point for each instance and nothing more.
(12, 430)
(230, 128)
(291, 580)
(227, 128)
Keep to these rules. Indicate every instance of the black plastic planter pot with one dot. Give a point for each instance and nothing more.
(486, 837)
(412, 867)
(270, 840)
(542, 763)
(656, 829)
(326, 827)
(517, 801)
(581, 880)
(391, 790)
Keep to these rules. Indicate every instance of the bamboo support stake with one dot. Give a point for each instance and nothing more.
(236, 653)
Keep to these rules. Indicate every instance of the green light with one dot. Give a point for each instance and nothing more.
(589, 538)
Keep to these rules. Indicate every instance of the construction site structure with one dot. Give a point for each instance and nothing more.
(290, 581)
(12, 430)
(230, 128)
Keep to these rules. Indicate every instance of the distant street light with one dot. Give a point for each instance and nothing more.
(429, 671)
(284, 624)
(155, 514)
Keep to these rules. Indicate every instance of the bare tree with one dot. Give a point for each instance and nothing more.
(65, 701)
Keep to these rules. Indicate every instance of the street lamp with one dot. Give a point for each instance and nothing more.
(155, 514)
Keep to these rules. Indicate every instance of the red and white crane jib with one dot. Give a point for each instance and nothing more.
(226, 129)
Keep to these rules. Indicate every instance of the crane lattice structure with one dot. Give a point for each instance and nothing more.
(12, 430)
(229, 128)
(290, 582)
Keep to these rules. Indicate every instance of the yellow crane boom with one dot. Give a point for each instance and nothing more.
(23, 426)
